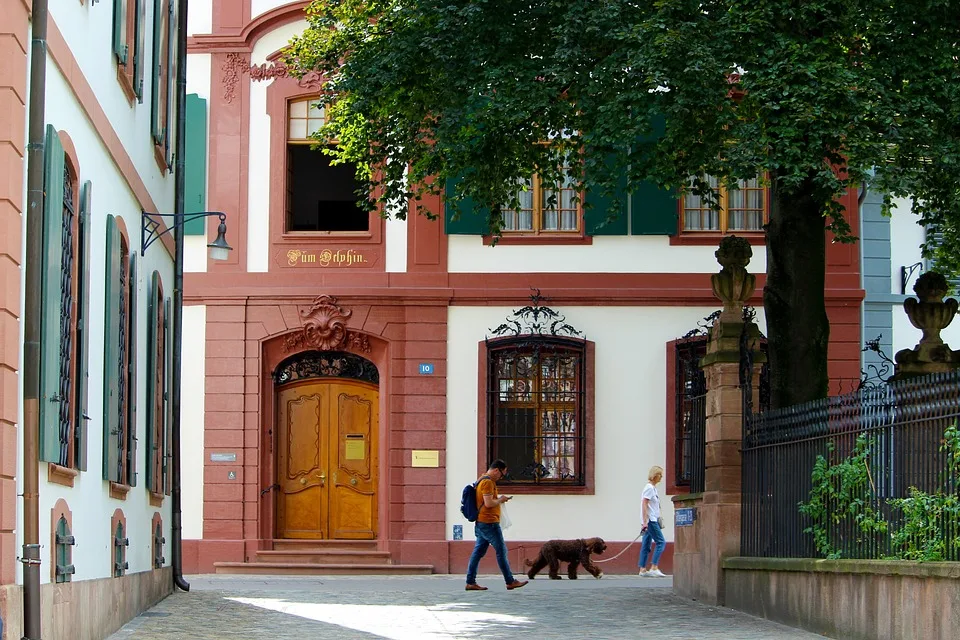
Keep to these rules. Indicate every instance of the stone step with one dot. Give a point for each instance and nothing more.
(324, 556)
(284, 544)
(302, 569)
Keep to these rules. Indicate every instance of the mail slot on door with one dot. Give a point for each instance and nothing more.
(355, 446)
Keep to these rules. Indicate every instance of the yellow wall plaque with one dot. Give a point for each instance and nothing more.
(354, 449)
(423, 458)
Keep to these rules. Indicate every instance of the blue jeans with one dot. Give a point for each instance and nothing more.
(652, 534)
(489, 534)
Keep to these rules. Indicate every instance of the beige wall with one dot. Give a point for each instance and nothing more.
(89, 609)
(850, 599)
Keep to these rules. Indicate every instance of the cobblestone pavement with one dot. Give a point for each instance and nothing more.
(437, 608)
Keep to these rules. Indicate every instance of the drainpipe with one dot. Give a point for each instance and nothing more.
(178, 186)
(33, 269)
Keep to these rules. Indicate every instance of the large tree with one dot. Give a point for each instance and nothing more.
(815, 96)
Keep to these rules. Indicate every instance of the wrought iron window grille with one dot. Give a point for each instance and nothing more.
(536, 396)
(67, 320)
(120, 544)
(326, 364)
(158, 542)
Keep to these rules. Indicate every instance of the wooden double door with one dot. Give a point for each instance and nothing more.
(327, 460)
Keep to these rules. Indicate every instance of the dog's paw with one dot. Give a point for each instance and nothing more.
(599, 575)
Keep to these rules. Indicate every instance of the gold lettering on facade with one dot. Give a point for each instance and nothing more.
(326, 258)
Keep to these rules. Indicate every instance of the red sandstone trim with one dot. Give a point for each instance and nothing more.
(227, 39)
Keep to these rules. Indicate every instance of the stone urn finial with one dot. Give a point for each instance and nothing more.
(733, 285)
(931, 314)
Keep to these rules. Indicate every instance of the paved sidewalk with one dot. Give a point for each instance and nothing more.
(437, 608)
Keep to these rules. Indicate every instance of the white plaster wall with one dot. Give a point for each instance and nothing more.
(630, 419)
(199, 18)
(258, 189)
(87, 29)
(258, 7)
(192, 397)
(396, 245)
(906, 237)
(607, 254)
(198, 82)
(89, 498)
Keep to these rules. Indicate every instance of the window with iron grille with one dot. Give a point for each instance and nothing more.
(158, 541)
(535, 396)
(691, 414)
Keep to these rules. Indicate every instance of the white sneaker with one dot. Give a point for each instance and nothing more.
(656, 573)
(643, 573)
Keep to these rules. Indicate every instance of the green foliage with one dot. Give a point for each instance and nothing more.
(927, 517)
(846, 490)
(487, 91)
(842, 491)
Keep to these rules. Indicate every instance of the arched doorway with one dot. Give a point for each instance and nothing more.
(327, 426)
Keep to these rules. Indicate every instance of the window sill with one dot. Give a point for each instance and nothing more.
(535, 239)
(159, 154)
(119, 491)
(532, 490)
(156, 499)
(61, 475)
(712, 239)
(126, 83)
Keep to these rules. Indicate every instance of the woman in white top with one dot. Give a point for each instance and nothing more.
(650, 516)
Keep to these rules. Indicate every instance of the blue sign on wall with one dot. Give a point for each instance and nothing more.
(426, 368)
(458, 532)
(684, 517)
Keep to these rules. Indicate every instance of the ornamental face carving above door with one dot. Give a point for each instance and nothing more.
(324, 328)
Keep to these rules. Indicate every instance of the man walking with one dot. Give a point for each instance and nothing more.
(488, 530)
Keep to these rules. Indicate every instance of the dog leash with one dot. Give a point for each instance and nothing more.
(622, 552)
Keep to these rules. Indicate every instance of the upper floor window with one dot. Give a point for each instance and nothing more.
(163, 78)
(535, 416)
(742, 209)
(545, 207)
(120, 360)
(63, 324)
(129, 25)
(320, 197)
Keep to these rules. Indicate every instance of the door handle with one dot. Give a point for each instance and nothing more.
(323, 478)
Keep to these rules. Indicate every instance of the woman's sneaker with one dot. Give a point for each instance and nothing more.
(643, 573)
(656, 573)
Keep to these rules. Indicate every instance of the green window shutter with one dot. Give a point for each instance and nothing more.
(83, 329)
(132, 387)
(597, 212)
(195, 163)
(159, 66)
(153, 368)
(472, 219)
(171, 80)
(50, 298)
(168, 422)
(111, 354)
(120, 30)
(654, 211)
(139, 28)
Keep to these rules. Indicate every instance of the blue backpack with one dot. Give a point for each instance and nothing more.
(468, 501)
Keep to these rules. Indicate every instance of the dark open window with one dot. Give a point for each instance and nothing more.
(320, 196)
(691, 414)
(535, 396)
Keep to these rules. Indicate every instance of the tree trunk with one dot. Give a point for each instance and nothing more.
(798, 330)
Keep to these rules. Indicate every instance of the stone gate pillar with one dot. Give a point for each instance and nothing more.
(715, 534)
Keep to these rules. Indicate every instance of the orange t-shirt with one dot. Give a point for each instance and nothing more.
(488, 515)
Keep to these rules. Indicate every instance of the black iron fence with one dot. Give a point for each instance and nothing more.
(869, 450)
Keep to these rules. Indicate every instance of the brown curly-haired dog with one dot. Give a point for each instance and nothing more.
(575, 552)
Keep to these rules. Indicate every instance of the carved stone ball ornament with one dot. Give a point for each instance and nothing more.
(733, 285)
(931, 314)
(325, 329)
